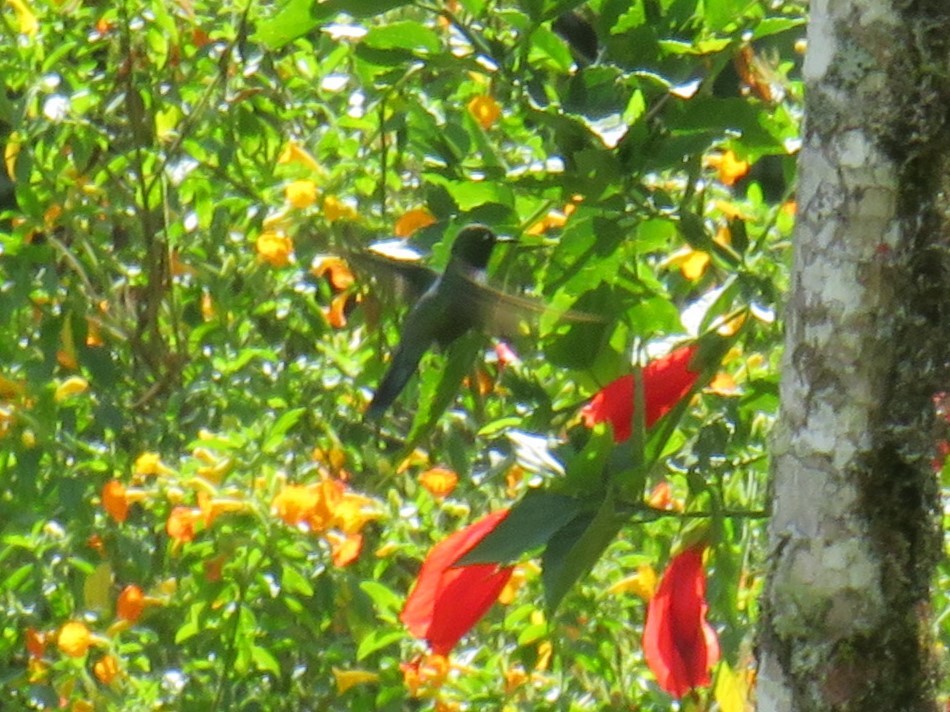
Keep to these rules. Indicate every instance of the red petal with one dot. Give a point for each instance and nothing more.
(447, 601)
(666, 381)
(679, 645)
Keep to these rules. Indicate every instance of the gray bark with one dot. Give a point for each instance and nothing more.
(854, 536)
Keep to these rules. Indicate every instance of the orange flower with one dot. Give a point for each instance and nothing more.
(345, 548)
(294, 503)
(439, 481)
(424, 675)
(181, 523)
(35, 643)
(679, 645)
(448, 600)
(213, 568)
(274, 248)
(554, 219)
(340, 275)
(74, 639)
(336, 313)
(661, 497)
(301, 193)
(485, 110)
(728, 166)
(106, 669)
(115, 500)
(131, 603)
(413, 220)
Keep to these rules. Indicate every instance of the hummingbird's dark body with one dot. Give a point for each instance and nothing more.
(448, 308)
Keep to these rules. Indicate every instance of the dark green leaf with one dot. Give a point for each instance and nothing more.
(529, 525)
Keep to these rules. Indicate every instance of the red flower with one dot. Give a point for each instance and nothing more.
(446, 602)
(666, 381)
(679, 645)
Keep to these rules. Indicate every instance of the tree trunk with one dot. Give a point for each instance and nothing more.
(854, 536)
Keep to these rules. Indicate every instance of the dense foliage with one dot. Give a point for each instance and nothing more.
(193, 512)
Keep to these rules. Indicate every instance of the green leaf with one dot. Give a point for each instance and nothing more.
(439, 388)
(386, 601)
(292, 581)
(278, 431)
(584, 473)
(574, 550)
(264, 660)
(376, 640)
(406, 35)
(529, 525)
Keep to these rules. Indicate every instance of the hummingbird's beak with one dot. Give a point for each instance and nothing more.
(506, 238)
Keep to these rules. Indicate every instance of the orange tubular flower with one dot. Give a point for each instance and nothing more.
(666, 381)
(181, 523)
(485, 110)
(439, 481)
(115, 500)
(131, 603)
(106, 669)
(413, 220)
(447, 600)
(679, 645)
(35, 643)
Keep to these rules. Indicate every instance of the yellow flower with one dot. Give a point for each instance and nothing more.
(345, 679)
(413, 220)
(439, 481)
(692, 263)
(10, 154)
(294, 153)
(485, 110)
(150, 463)
(518, 577)
(207, 306)
(74, 639)
(72, 386)
(106, 669)
(294, 503)
(274, 248)
(301, 193)
(335, 209)
(642, 583)
(28, 24)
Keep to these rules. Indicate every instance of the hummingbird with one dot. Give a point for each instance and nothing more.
(452, 303)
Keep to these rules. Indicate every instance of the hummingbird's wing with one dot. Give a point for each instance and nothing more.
(503, 313)
(403, 277)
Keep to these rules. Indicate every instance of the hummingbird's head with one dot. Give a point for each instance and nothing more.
(474, 244)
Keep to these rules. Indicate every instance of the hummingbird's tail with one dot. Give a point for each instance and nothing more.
(403, 365)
